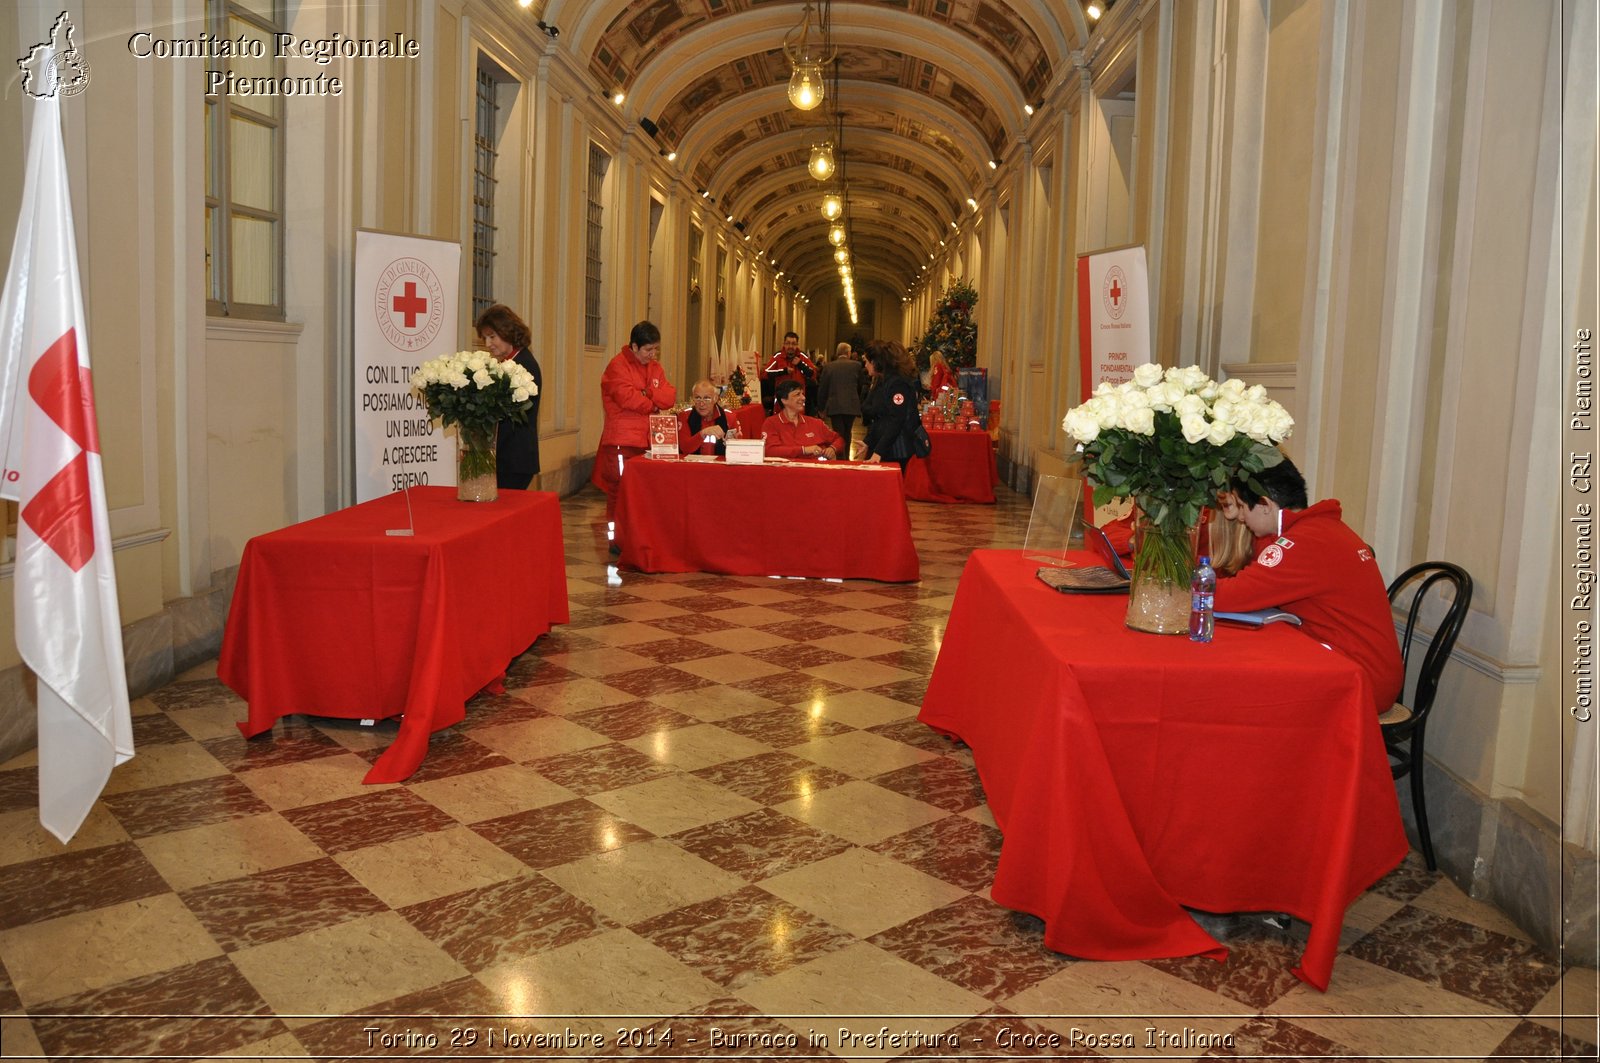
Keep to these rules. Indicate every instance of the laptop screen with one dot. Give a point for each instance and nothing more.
(1100, 543)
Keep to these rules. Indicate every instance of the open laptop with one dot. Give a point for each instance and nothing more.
(1113, 578)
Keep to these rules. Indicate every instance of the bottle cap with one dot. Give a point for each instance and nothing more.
(1205, 559)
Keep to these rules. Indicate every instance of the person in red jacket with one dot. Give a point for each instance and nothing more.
(705, 426)
(632, 387)
(790, 363)
(791, 434)
(1309, 562)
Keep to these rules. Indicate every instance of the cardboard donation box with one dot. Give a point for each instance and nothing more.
(663, 435)
(746, 451)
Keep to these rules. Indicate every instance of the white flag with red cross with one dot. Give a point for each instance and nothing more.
(69, 630)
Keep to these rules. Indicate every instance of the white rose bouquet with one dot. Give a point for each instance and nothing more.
(475, 391)
(1170, 440)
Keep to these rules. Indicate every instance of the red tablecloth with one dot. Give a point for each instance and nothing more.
(332, 617)
(766, 520)
(1134, 774)
(959, 468)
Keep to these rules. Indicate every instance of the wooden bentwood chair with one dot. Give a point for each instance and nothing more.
(1404, 723)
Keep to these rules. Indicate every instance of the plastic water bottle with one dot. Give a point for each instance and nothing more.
(1202, 589)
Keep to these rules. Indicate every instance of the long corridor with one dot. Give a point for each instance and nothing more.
(704, 804)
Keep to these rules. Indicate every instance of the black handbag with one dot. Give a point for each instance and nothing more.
(921, 445)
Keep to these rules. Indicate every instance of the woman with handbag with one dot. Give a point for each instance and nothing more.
(891, 406)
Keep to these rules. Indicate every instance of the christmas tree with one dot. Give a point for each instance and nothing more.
(951, 330)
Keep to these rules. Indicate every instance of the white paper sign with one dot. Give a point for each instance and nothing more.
(1113, 316)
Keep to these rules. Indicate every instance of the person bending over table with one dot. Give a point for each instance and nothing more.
(516, 445)
(791, 434)
(1311, 563)
(632, 387)
(703, 428)
(891, 406)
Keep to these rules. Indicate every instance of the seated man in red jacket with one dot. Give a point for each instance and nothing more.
(1308, 561)
(791, 434)
(704, 427)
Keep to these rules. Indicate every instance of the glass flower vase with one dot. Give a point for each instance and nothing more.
(1163, 567)
(476, 480)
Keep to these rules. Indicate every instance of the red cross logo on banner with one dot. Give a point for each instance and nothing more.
(61, 512)
(410, 304)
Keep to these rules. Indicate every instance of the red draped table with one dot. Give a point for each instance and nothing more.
(959, 468)
(784, 519)
(334, 617)
(1134, 775)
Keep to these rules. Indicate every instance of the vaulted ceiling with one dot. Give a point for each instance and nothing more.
(929, 91)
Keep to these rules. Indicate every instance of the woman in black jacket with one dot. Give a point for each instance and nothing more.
(891, 406)
(517, 448)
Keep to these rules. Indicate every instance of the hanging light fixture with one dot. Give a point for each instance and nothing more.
(842, 255)
(836, 234)
(821, 164)
(832, 205)
(808, 55)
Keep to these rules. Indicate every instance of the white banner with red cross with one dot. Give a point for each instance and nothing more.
(1113, 316)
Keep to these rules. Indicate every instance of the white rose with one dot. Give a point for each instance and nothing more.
(1190, 406)
(1256, 393)
(1165, 395)
(1107, 411)
(519, 395)
(482, 378)
(457, 380)
(1136, 400)
(1193, 378)
(1147, 375)
(1209, 392)
(1233, 389)
(1219, 433)
(1105, 387)
(1081, 425)
(1141, 422)
(1194, 428)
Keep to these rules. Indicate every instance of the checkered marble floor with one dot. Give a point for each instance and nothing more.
(704, 806)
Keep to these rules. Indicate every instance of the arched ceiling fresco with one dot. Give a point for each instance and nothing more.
(928, 92)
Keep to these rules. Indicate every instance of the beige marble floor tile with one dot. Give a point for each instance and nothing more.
(860, 812)
(1446, 898)
(699, 746)
(873, 988)
(863, 708)
(642, 880)
(1572, 1005)
(673, 803)
(575, 695)
(347, 967)
(713, 704)
(430, 865)
(862, 600)
(1376, 1011)
(756, 595)
(162, 765)
(860, 753)
(230, 849)
(203, 670)
(658, 591)
(729, 668)
(862, 891)
(28, 758)
(210, 721)
(644, 611)
(602, 662)
(546, 736)
(1365, 915)
(754, 616)
(311, 782)
(284, 1046)
(859, 644)
(859, 673)
(740, 639)
(493, 792)
(20, 1040)
(624, 635)
(616, 973)
(1098, 1004)
(358, 737)
(90, 950)
(142, 707)
(858, 620)
(982, 814)
(24, 839)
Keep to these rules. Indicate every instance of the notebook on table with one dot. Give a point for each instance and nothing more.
(1111, 578)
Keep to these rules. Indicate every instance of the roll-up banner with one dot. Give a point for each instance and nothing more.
(405, 313)
(1113, 316)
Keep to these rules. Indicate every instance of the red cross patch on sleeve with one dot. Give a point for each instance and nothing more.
(899, 399)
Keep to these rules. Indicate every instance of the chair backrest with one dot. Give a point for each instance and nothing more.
(1436, 576)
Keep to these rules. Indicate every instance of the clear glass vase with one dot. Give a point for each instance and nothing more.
(476, 480)
(1163, 567)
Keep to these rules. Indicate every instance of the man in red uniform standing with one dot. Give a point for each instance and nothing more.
(790, 363)
(1309, 562)
(632, 387)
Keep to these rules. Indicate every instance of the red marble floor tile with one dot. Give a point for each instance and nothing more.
(700, 623)
(367, 819)
(600, 768)
(157, 729)
(916, 733)
(728, 1028)
(160, 809)
(529, 671)
(632, 719)
(1531, 1041)
(1256, 972)
(911, 691)
(499, 710)
(803, 606)
(456, 1015)
(740, 938)
(803, 630)
(643, 682)
(203, 1009)
(450, 752)
(675, 651)
(271, 749)
(19, 789)
(192, 694)
(773, 778)
(505, 921)
(956, 849)
(561, 833)
(71, 882)
(782, 727)
(791, 687)
(759, 845)
(943, 783)
(978, 945)
(797, 655)
(279, 903)
(1269, 1037)
(1408, 881)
